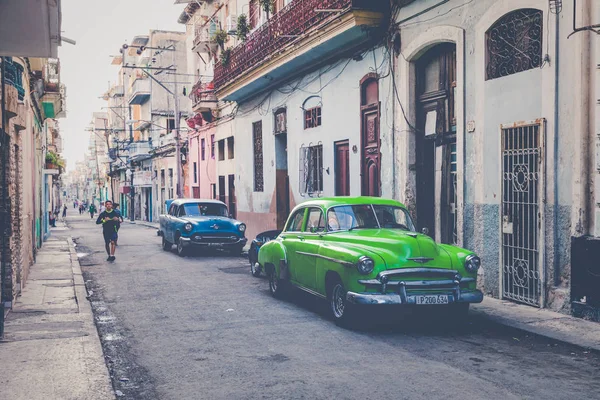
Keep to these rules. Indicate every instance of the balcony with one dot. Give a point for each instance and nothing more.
(13, 76)
(53, 101)
(302, 36)
(117, 91)
(139, 151)
(203, 97)
(140, 91)
(204, 33)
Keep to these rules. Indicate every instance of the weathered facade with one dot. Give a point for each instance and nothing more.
(31, 97)
(496, 126)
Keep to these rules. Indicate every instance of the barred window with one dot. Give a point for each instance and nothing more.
(203, 149)
(514, 43)
(312, 117)
(311, 170)
(258, 156)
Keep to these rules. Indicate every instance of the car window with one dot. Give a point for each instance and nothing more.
(392, 217)
(351, 217)
(315, 221)
(205, 209)
(172, 209)
(181, 211)
(295, 224)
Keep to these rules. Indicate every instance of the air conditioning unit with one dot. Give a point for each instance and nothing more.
(231, 24)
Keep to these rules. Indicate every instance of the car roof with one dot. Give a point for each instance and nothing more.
(328, 202)
(192, 201)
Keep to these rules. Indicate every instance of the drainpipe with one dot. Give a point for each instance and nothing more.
(556, 260)
(4, 217)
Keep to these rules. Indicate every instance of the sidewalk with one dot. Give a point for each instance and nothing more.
(561, 327)
(51, 348)
(155, 225)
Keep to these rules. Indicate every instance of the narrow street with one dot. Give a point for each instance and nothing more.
(202, 327)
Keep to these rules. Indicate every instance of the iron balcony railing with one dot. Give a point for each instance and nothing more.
(283, 28)
(203, 92)
(13, 76)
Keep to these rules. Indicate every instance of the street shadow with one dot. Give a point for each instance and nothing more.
(405, 320)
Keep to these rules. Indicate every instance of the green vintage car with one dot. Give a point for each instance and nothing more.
(365, 251)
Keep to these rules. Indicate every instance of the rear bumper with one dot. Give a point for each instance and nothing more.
(188, 242)
(474, 296)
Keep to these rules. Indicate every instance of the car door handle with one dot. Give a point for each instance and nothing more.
(301, 237)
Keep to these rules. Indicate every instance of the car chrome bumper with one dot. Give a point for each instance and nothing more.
(475, 296)
(189, 242)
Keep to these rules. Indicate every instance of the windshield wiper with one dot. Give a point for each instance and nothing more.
(357, 227)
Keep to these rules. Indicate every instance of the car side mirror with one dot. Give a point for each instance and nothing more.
(425, 231)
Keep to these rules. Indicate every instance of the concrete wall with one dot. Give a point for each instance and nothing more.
(338, 87)
(484, 106)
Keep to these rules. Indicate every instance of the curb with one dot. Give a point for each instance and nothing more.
(85, 309)
(551, 327)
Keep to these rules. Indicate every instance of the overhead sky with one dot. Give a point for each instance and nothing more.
(100, 29)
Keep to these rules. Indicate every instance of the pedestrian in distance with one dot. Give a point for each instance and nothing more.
(92, 210)
(64, 214)
(109, 219)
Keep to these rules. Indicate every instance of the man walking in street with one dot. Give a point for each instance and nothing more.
(109, 219)
(92, 210)
(64, 214)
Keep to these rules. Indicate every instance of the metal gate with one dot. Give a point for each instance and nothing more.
(522, 218)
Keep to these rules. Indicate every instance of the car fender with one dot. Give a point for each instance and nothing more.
(342, 259)
(272, 256)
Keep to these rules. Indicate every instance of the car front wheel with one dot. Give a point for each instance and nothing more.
(255, 268)
(341, 310)
(181, 250)
(166, 245)
(276, 285)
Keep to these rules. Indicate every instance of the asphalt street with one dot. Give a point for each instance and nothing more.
(202, 327)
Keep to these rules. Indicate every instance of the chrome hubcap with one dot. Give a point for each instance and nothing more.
(337, 301)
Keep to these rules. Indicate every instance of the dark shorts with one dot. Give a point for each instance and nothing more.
(110, 237)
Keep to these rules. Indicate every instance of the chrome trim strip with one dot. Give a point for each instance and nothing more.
(412, 284)
(421, 260)
(415, 271)
(335, 260)
(309, 291)
(378, 298)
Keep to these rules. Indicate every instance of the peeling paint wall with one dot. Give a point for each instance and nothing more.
(524, 96)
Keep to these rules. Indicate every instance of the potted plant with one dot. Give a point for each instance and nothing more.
(268, 6)
(242, 28)
(221, 38)
(225, 55)
(51, 160)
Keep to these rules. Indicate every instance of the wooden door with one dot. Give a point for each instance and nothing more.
(436, 143)
(232, 202)
(371, 154)
(342, 168)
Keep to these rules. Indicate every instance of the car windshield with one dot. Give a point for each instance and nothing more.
(367, 216)
(205, 209)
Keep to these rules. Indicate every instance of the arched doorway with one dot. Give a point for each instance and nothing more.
(436, 151)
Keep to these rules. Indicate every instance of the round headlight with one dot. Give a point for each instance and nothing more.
(188, 227)
(472, 263)
(242, 227)
(365, 265)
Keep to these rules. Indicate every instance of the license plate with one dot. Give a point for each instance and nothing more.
(432, 299)
(214, 244)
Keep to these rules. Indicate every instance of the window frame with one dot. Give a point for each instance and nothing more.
(203, 149)
(311, 121)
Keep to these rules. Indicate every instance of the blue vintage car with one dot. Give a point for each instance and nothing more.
(200, 223)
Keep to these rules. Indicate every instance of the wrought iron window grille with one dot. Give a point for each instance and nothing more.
(514, 43)
(311, 170)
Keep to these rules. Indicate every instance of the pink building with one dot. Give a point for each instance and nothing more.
(202, 165)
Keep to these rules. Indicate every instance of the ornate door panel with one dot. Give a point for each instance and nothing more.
(522, 189)
(371, 152)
